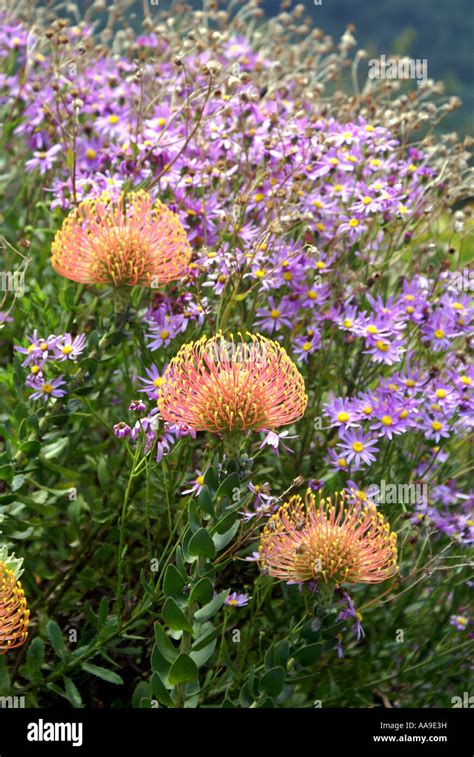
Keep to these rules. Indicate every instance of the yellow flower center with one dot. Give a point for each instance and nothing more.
(274, 314)
(343, 417)
(67, 349)
(113, 119)
(387, 420)
(47, 388)
(353, 222)
(382, 346)
(358, 447)
(439, 333)
(441, 393)
(436, 426)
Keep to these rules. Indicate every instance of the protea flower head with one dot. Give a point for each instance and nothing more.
(133, 241)
(14, 615)
(334, 541)
(232, 384)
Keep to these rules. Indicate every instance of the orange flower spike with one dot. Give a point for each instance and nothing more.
(336, 542)
(225, 385)
(131, 242)
(14, 616)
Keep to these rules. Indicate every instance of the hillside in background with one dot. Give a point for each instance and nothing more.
(440, 32)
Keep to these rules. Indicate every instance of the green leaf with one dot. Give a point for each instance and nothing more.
(35, 654)
(56, 638)
(142, 691)
(103, 673)
(211, 480)
(158, 663)
(173, 583)
(4, 676)
(226, 489)
(159, 691)
(6, 473)
(225, 523)
(308, 654)
(222, 540)
(202, 545)
(174, 617)
(278, 654)
(209, 610)
(202, 655)
(208, 634)
(273, 680)
(193, 517)
(201, 592)
(183, 670)
(102, 613)
(31, 447)
(72, 692)
(164, 644)
(205, 500)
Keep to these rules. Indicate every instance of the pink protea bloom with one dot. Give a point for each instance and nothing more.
(332, 541)
(226, 384)
(133, 241)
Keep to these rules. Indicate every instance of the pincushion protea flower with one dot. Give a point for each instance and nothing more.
(222, 385)
(131, 242)
(333, 541)
(14, 616)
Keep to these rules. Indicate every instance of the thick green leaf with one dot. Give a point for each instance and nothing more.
(202, 545)
(164, 644)
(202, 655)
(222, 540)
(273, 680)
(183, 670)
(201, 592)
(174, 617)
(173, 583)
(308, 654)
(159, 691)
(226, 489)
(205, 500)
(209, 610)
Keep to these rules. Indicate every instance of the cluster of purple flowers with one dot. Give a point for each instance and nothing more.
(150, 430)
(50, 351)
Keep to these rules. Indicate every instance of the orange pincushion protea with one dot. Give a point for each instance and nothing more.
(131, 242)
(14, 616)
(223, 384)
(334, 541)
